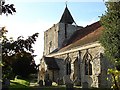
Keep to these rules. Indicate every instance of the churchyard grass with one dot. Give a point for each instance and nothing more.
(19, 83)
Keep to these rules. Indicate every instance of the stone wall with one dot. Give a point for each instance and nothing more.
(42, 70)
(99, 64)
(55, 36)
(51, 39)
(96, 62)
(96, 66)
(70, 29)
(105, 64)
(61, 64)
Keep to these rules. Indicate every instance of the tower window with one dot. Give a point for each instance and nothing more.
(65, 30)
(50, 46)
(50, 43)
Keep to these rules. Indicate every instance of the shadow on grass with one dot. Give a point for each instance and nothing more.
(49, 88)
(21, 87)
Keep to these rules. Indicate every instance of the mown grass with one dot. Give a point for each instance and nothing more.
(18, 83)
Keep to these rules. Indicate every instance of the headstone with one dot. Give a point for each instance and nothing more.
(60, 81)
(48, 82)
(85, 85)
(66, 79)
(40, 83)
(6, 85)
(69, 85)
(77, 82)
(68, 82)
(7, 82)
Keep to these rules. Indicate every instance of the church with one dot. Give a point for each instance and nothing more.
(73, 54)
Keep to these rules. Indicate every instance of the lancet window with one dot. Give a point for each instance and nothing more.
(68, 65)
(87, 60)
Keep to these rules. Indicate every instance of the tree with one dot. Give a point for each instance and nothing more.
(110, 39)
(7, 8)
(24, 64)
(2, 36)
(13, 52)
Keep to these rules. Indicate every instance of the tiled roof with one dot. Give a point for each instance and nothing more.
(84, 36)
(83, 32)
(51, 63)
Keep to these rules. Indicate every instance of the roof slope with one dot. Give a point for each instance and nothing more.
(67, 17)
(51, 63)
(83, 32)
(84, 36)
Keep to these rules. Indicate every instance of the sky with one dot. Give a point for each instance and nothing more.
(34, 16)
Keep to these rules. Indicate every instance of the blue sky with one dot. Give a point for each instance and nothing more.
(37, 16)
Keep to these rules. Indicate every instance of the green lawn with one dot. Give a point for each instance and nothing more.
(19, 84)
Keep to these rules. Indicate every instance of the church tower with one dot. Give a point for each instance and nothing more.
(59, 33)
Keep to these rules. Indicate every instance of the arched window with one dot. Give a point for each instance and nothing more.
(68, 65)
(88, 66)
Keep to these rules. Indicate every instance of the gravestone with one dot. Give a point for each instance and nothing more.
(48, 82)
(60, 81)
(69, 85)
(40, 83)
(68, 82)
(66, 79)
(77, 82)
(85, 85)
